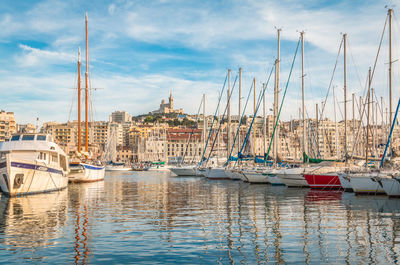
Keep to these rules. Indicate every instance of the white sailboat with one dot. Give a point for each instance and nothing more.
(32, 163)
(85, 170)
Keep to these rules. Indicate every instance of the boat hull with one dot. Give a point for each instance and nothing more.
(362, 184)
(20, 177)
(118, 168)
(217, 173)
(345, 182)
(391, 186)
(86, 173)
(323, 181)
(293, 177)
(183, 171)
(234, 174)
(255, 177)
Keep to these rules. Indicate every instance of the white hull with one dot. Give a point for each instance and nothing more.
(86, 173)
(234, 174)
(391, 186)
(345, 181)
(255, 177)
(217, 173)
(184, 171)
(22, 177)
(293, 177)
(273, 178)
(112, 168)
(201, 172)
(159, 168)
(365, 183)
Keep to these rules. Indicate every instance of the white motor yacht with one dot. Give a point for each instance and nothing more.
(32, 163)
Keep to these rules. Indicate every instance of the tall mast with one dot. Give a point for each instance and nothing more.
(368, 98)
(303, 92)
(79, 102)
(204, 121)
(345, 95)
(228, 129)
(276, 98)
(372, 121)
(240, 106)
(336, 129)
(390, 13)
(254, 126)
(264, 124)
(354, 119)
(86, 86)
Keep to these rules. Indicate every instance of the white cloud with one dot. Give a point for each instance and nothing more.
(33, 56)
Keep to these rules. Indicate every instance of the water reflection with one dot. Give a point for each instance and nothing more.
(147, 218)
(31, 223)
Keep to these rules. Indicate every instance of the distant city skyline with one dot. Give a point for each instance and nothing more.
(140, 51)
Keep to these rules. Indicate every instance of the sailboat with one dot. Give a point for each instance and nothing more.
(85, 169)
(110, 154)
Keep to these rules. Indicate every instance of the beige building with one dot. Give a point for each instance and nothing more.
(7, 125)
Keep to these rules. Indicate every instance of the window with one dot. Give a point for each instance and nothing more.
(63, 163)
(41, 137)
(28, 137)
(15, 137)
(42, 156)
(54, 157)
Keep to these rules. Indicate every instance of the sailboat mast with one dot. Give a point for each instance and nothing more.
(264, 130)
(303, 92)
(254, 127)
(86, 86)
(204, 121)
(228, 129)
(240, 106)
(368, 99)
(390, 13)
(277, 95)
(345, 95)
(354, 119)
(79, 102)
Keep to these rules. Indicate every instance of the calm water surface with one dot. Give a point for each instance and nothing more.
(152, 218)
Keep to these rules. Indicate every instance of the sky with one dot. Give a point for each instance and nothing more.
(140, 51)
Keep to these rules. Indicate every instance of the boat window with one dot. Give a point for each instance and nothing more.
(15, 137)
(41, 137)
(42, 156)
(63, 162)
(54, 157)
(27, 137)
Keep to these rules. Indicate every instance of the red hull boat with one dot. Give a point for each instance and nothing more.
(329, 181)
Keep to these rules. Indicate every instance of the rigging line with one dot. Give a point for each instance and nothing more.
(215, 115)
(354, 63)
(73, 95)
(379, 49)
(360, 124)
(222, 119)
(255, 114)
(283, 98)
(330, 82)
(390, 134)
(241, 118)
(191, 133)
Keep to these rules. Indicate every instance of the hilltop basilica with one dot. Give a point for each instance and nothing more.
(167, 107)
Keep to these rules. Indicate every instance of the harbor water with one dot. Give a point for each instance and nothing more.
(153, 218)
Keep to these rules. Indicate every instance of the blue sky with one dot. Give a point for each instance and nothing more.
(141, 50)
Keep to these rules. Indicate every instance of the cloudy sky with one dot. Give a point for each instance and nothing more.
(142, 50)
